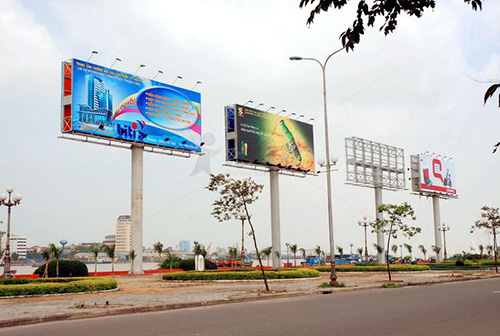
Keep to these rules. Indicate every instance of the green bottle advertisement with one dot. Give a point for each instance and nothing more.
(291, 145)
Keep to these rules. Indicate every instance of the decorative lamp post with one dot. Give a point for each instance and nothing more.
(365, 223)
(63, 242)
(243, 216)
(444, 228)
(287, 254)
(9, 202)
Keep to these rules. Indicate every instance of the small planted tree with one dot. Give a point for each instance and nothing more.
(409, 248)
(170, 259)
(378, 248)
(318, 251)
(491, 222)
(294, 249)
(56, 252)
(436, 250)
(394, 248)
(95, 253)
(233, 254)
(395, 225)
(132, 255)
(481, 251)
(158, 247)
(423, 250)
(110, 252)
(340, 249)
(267, 253)
(46, 258)
(236, 196)
(360, 251)
(303, 253)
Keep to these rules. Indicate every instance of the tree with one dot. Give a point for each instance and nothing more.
(378, 248)
(436, 250)
(341, 252)
(171, 258)
(481, 251)
(56, 253)
(46, 257)
(236, 196)
(394, 224)
(110, 252)
(489, 249)
(15, 256)
(491, 222)
(303, 253)
(294, 249)
(267, 253)
(233, 254)
(318, 251)
(360, 251)
(424, 251)
(158, 247)
(199, 249)
(394, 248)
(366, 14)
(95, 253)
(132, 255)
(409, 248)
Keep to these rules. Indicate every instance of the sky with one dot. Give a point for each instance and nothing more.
(419, 89)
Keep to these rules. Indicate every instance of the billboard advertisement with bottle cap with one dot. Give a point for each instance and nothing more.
(260, 137)
(435, 175)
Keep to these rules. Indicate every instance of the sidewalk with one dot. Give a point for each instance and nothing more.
(150, 294)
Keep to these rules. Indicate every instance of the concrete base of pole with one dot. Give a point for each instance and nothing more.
(136, 206)
(275, 217)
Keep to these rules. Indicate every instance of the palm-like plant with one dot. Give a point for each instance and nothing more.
(56, 253)
(409, 248)
(424, 251)
(394, 248)
(171, 258)
(489, 249)
(318, 251)
(436, 250)
(158, 247)
(360, 251)
(46, 257)
(294, 249)
(132, 255)
(110, 252)
(380, 249)
(341, 252)
(233, 254)
(95, 253)
(481, 251)
(267, 253)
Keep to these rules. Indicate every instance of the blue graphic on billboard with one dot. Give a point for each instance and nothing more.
(114, 104)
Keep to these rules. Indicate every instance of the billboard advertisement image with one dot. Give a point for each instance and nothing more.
(437, 175)
(113, 104)
(265, 138)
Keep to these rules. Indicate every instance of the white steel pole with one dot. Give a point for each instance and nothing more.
(379, 215)
(275, 217)
(136, 206)
(437, 224)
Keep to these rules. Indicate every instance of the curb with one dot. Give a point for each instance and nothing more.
(175, 306)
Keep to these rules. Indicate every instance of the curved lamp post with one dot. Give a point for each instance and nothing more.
(444, 228)
(333, 274)
(63, 242)
(9, 202)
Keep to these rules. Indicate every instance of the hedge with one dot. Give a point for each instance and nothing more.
(378, 268)
(241, 275)
(56, 286)
(67, 268)
(187, 264)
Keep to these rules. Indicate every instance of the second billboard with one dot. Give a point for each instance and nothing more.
(265, 138)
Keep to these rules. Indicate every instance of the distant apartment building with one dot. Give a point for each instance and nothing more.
(18, 245)
(184, 245)
(123, 234)
(109, 240)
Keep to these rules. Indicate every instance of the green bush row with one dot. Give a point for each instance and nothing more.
(42, 286)
(242, 275)
(67, 268)
(378, 268)
(22, 281)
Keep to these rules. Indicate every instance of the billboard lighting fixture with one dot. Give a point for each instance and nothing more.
(300, 116)
(290, 167)
(101, 126)
(248, 102)
(271, 108)
(310, 119)
(279, 165)
(166, 139)
(159, 72)
(184, 142)
(268, 164)
(281, 112)
(259, 104)
(140, 67)
(291, 114)
(255, 161)
(196, 84)
(116, 60)
(176, 78)
(295, 58)
(92, 54)
(202, 144)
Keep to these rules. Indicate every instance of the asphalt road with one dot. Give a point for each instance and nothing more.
(463, 308)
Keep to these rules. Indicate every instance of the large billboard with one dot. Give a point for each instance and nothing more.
(104, 102)
(259, 137)
(433, 175)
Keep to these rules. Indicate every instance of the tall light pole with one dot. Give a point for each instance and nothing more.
(444, 228)
(242, 215)
(9, 202)
(365, 223)
(287, 254)
(333, 274)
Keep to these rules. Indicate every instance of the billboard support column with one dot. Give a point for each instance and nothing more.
(379, 215)
(275, 217)
(136, 206)
(437, 224)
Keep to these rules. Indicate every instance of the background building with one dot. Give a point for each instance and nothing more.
(18, 245)
(184, 245)
(109, 240)
(123, 234)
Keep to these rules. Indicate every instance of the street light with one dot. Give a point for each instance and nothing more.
(242, 215)
(365, 223)
(287, 254)
(444, 228)
(333, 274)
(63, 242)
(9, 202)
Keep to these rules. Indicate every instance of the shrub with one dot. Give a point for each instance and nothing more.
(378, 268)
(488, 262)
(187, 264)
(56, 286)
(67, 268)
(241, 275)
(459, 263)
